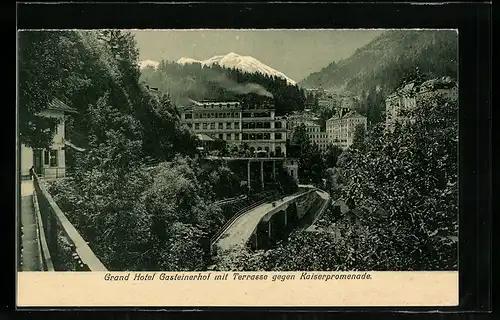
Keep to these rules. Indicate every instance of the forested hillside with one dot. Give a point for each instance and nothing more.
(90, 71)
(132, 217)
(194, 81)
(385, 60)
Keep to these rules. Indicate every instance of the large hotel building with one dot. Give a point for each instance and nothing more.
(410, 95)
(229, 121)
(340, 128)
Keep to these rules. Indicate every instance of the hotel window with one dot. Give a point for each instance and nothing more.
(212, 126)
(237, 136)
(277, 136)
(245, 125)
(267, 136)
(259, 136)
(204, 126)
(195, 116)
(221, 115)
(236, 125)
(246, 115)
(221, 136)
(259, 125)
(229, 136)
(267, 125)
(46, 157)
(251, 125)
(188, 116)
(245, 136)
(196, 126)
(221, 125)
(53, 158)
(252, 136)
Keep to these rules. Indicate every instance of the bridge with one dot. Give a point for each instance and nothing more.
(262, 225)
(47, 240)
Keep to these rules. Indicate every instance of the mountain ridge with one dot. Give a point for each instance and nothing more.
(384, 61)
(243, 63)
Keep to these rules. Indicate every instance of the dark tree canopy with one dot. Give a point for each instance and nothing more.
(197, 82)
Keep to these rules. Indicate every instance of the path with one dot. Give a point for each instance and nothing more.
(30, 256)
(242, 228)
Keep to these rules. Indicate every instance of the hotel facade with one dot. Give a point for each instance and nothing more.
(410, 95)
(259, 128)
(340, 129)
(316, 136)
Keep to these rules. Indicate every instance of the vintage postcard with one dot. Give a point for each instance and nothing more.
(219, 167)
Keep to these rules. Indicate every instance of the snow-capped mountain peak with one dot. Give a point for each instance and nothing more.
(244, 63)
(148, 63)
(187, 60)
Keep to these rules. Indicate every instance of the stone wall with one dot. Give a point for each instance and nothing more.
(305, 203)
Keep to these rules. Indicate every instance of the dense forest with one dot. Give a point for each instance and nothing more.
(383, 62)
(194, 81)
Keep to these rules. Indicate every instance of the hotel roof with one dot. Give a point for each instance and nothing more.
(204, 137)
(348, 113)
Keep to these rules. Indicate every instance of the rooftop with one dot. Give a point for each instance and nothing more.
(432, 84)
(204, 137)
(214, 102)
(347, 113)
(310, 124)
(439, 83)
(58, 105)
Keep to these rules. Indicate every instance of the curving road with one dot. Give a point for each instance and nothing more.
(242, 228)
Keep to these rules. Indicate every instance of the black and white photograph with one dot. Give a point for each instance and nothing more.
(237, 150)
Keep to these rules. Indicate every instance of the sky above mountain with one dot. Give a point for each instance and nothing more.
(296, 53)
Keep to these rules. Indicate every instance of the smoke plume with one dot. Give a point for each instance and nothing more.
(239, 88)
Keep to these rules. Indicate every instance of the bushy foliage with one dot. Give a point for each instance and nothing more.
(310, 159)
(412, 174)
(142, 220)
(334, 182)
(221, 180)
(46, 62)
(331, 155)
(372, 106)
